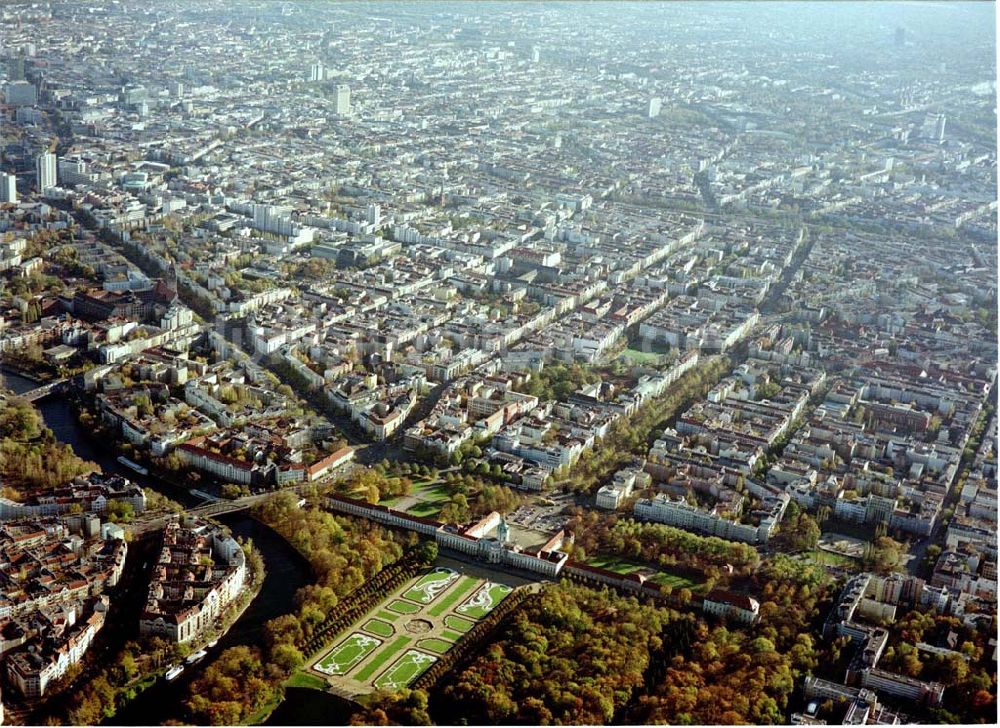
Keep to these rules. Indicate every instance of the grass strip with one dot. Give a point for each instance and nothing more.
(458, 623)
(381, 658)
(435, 645)
(453, 596)
(305, 680)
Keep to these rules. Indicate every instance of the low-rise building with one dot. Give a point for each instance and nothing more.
(731, 605)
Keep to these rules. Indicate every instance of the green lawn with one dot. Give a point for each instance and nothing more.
(458, 624)
(305, 680)
(432, 644)
(832, 559)
(484, 600)
(425, 509)
(378, 627)
(613, 563)
(398, 605)
(456, 593)
(405, 670)
(347, 654)
(430, 586)
(381, 658)
(431, 499)
(642, 357)
(449, 635)
(674, 581)
(624, 566)
(386, 616)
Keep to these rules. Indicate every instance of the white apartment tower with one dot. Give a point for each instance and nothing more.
(654, 107)
(343, 103)
(45, 171)
(8, 188)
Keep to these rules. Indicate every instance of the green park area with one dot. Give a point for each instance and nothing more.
(305, 680)
(399, 638)
(484, 600)
(431, 586)
(433, 644)
(348, 654)
(382, 657)
(624, 566)
(458, 624)
(463, 588)
(642, 357)
(379, 628)
(402, 607)
(405, 670)
(829, 558)
(431, 498)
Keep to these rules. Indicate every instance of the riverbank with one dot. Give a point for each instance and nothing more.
(8, 370)
(286, 571)
(120, 678)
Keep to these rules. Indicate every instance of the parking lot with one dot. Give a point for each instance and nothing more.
(544, 514)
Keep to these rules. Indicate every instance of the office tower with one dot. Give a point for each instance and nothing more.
(343, 102)
(15, 69)
(316, 72)
(177, 89)
(8, 188)
(535, 54)
(21, 93)
(933, 128)
(133, 95)
(45, 171)
(654, 107)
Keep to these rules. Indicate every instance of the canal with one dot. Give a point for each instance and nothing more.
(287, 571)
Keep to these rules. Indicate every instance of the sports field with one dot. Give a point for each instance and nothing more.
(431, 585)
(484, 600)
(347, 654)
(405, 670)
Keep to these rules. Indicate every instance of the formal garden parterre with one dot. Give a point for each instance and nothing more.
(396, 641)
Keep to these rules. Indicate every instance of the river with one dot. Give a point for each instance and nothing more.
(286, 572)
